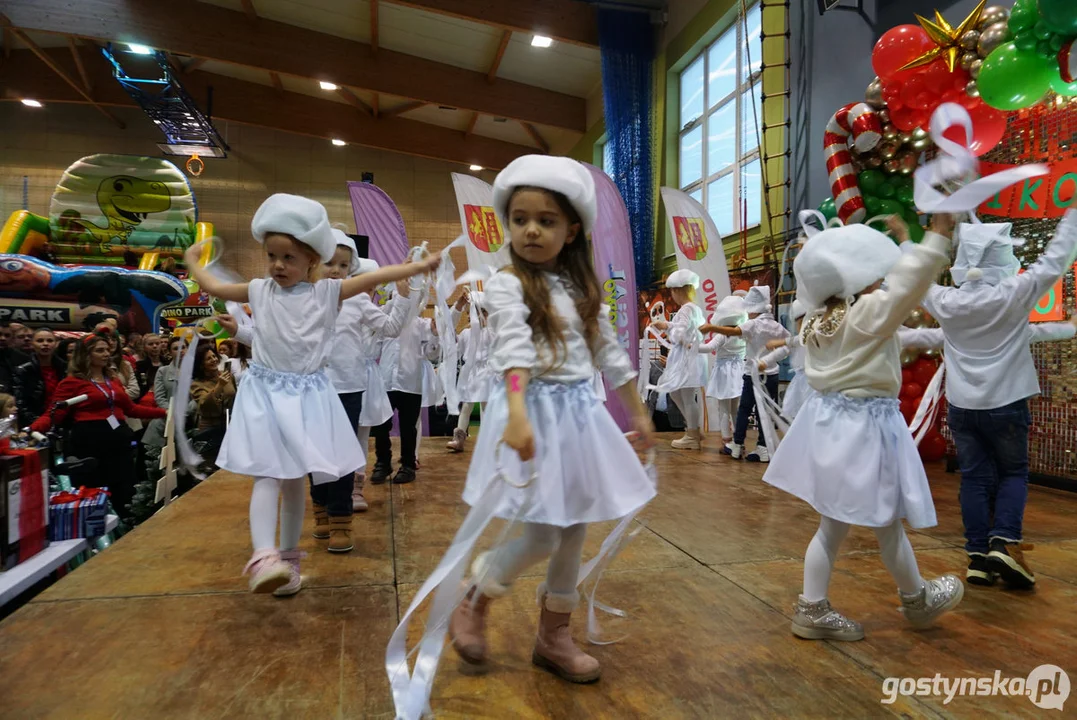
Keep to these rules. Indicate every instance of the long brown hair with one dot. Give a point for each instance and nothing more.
(79, 363)
(574, 260)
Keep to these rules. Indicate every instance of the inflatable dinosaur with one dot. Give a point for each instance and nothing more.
(125, 201)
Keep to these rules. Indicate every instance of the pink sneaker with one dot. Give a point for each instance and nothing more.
(268, 572)
(295, 580)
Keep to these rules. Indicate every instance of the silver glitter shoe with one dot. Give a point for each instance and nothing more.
(819, 621)
(936, 597)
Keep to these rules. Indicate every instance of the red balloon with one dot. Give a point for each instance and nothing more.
(911, 390)
(923, 370)
(917, 94)
(908, 408)
(905, 118)
(897, 47)
(906, 377)
(988, 127)
(933, 446)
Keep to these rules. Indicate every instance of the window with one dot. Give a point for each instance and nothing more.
(721, 126)
(606, 149)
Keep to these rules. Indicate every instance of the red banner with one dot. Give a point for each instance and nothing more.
(1047, 196)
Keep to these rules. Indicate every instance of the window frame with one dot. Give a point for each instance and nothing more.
(741, 96)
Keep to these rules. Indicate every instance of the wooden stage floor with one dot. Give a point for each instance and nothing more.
(161, 626)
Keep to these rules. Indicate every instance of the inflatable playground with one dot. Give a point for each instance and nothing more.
(110, 246)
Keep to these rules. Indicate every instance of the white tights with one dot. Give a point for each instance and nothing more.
(823, 552)
(564, 547)
(727, 417)
(293, 498)
(688, 403)
(363, 435)
(464, 421)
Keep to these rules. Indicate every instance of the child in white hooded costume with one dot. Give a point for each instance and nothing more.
(726, 379)
(849, 453)
(686, 368)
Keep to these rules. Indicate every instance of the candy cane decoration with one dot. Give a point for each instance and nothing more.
(1067, 61)
(860, 121)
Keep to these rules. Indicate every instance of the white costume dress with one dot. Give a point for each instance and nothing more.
(476, 380)
(798, 391)
(586, 469)
(414, 372)
(727, 376)
(849, 453)
(361, 328)
(685, 367)
(287, 420)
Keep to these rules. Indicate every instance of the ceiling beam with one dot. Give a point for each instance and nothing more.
(471, 125)
(569, 21)
(534, 133)
(275, 79)
(56, 68)
(374, 26)
(248, 7)
(75, 54)
(355, 101)
(193, 64)
(253, 104)
(9, 39)
(228, 36)
(403, 108)
(492, 74)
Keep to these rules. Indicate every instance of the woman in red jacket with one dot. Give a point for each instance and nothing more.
(98, 428)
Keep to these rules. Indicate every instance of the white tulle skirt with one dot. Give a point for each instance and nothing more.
(586, 469)
(476, 382)
(854, 460)
(433, 391)
(376, 406)
(685, 368)
(796, 395)
(286, 425)
(726, 381)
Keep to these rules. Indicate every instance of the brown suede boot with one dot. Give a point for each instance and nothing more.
(321, 523)
(467, 626)
(340, 534)
(554, 649)
(359, 503)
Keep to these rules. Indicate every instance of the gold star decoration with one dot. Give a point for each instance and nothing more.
(947, 39)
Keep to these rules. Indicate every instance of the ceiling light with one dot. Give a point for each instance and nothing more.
(541, 41)
(31, 103)
(140, 49)
(327, 85)
(338, 142)
(476, 168)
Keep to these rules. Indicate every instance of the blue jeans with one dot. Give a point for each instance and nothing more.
(992, 452)
(336, 496)
(748, 408)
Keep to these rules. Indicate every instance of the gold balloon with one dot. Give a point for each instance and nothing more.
(909, 356)
(883, 115)
(967, 59)
(893, 165)
(920, 143)
(974, 69)
(915, 319)
(991, 38)
(890, 132)
(888, 149)
(969, 39)
(992, 15)
(932, 353)
(909, 160)
(971, 89)
(918, 133)
(874, 94)
(904, 138)
(871, 161)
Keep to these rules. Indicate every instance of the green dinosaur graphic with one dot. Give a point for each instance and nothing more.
(125, 201)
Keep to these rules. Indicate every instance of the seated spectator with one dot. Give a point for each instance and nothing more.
(7, 406)
(153, 347)
(10, 358)
(214, 392)
(22, 338)
(36, 380)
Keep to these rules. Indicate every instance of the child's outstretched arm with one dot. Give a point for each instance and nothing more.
(391, 273)
(720, 329)
(236, 292)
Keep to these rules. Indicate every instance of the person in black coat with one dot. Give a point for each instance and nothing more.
(36, 379)
(10, 358)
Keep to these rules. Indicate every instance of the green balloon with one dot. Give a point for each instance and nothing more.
(904, 195)
(1062, 87)
(828, 209)
(1023, 16)
(1025, 40)
(1011, 79)
(885, 191)
(891, 207)
(870, 181)
(873, 204)
(916, 232)
(1059, 15)
(879, 225)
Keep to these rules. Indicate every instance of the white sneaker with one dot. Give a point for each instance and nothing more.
(759, 455)
(733, 450)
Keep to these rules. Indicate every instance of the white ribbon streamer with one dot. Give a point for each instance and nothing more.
(191, 460)
(930, 403)
(771, 420)
(956, 163)
(445, 284)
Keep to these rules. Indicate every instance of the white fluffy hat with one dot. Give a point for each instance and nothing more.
(367, 265)
(799, 309)
(683, 278)
(842, 261)
(985, 252)
(560, 174)
(302, 218)
(757, 300)
(342, 240)
(730, 311)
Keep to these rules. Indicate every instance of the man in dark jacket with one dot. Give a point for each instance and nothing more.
(10, 358)
(36, 379)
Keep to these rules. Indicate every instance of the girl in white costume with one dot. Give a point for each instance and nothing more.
(476, 379)
(549, 329)
(725, 381)
(287, 421)
(849, 453)
(686, 368)
(797, 392)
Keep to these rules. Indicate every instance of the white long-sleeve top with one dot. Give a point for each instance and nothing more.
(934, 338)
(396, 377)
(482, 350)
(513, 345)
(684, 327)
(793, 349)
(863, 357)
(988, 361)
(361, 326)
(757, 332)
(724, 347)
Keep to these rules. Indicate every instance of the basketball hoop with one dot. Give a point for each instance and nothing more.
(195, 166)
